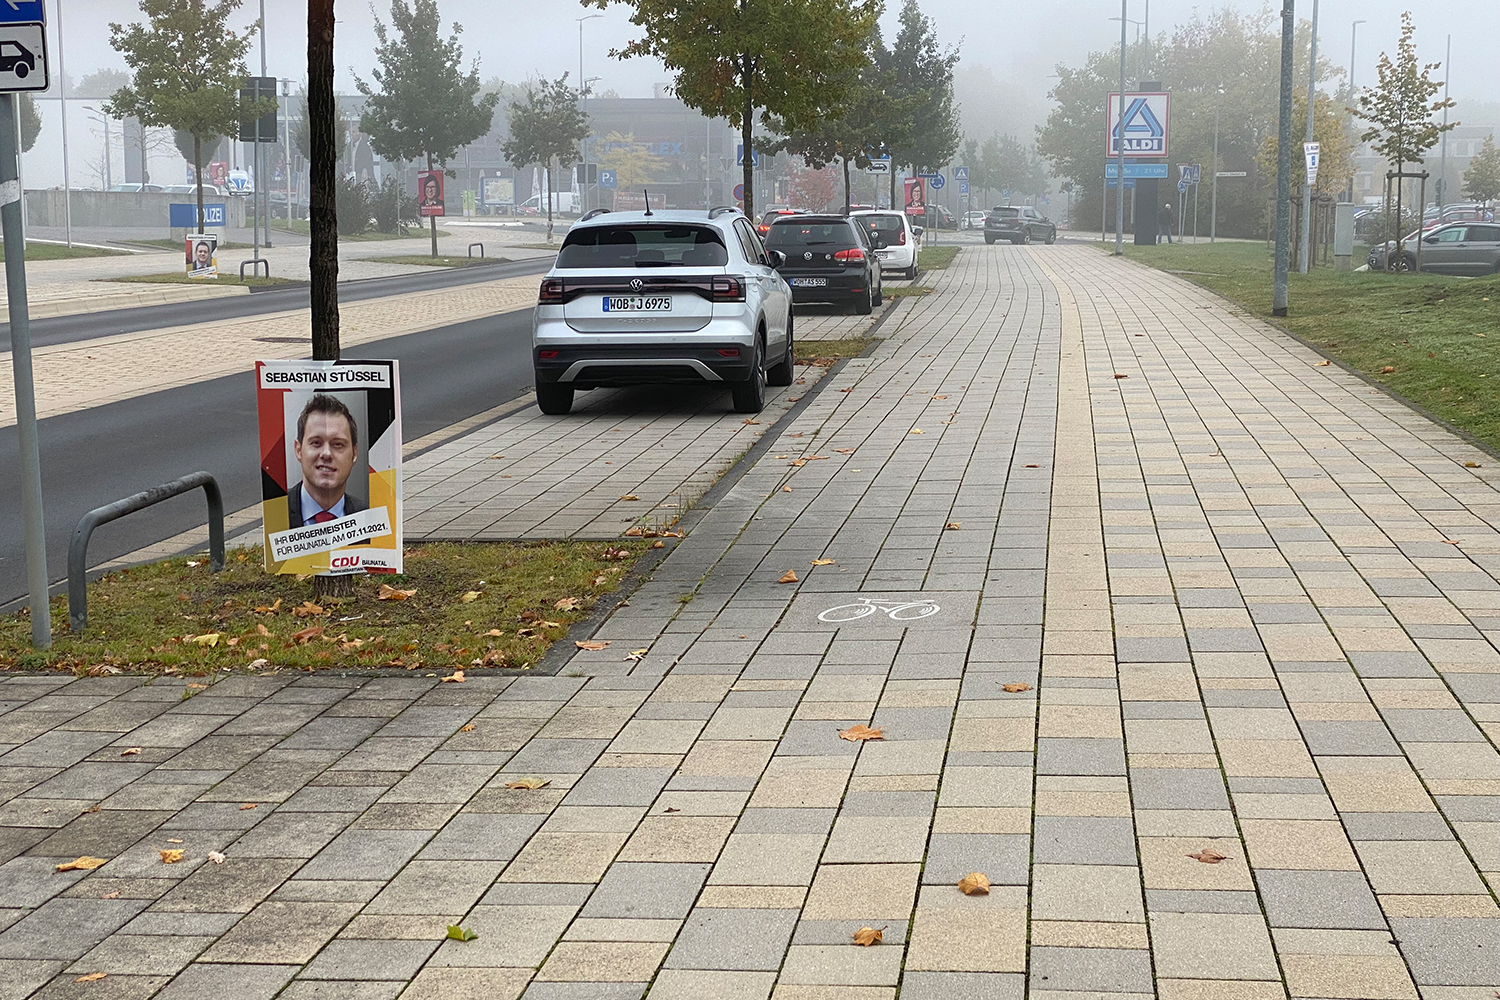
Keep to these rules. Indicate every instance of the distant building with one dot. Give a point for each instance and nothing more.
(1463, 144)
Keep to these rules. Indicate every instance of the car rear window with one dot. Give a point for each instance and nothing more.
(1006, 213)
(886, 222)
(643, 245)
(789, 233)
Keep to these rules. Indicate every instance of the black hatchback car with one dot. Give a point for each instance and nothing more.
(1018, 224)
(829, 258)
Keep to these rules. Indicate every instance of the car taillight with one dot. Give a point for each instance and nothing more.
(728, 290)
(729, 352)
(547, 355)
(901, 239)
(763, 229)
(845, 256)
(552, 291)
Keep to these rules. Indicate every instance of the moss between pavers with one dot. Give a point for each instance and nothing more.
(496, 603)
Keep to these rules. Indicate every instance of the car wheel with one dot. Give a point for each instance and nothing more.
(1052, 237)
(750, 395)
(879, 290)
(911, 272)
(554, 398)
(989, 241)
(1025, 240)
(781, 374)
(865, 304)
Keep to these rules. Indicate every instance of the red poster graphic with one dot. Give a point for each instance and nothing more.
(430, 193)
(916, 196)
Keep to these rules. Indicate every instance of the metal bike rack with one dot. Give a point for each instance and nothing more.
(78, 596)
(254, 266)
(473, 245)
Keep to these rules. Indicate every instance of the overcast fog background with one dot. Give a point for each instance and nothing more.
(1018, 43)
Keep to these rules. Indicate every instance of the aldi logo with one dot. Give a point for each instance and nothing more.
(1142, 130)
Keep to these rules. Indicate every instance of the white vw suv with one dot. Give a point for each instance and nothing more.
(662, 297)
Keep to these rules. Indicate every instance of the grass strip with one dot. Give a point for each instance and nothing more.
(1432, 339)
(903, 291)
(224, 278)
(936, 258)
(826, 352)
(500, 603)
(54, 251)
(427, 260)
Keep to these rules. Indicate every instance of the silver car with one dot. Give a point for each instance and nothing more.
(1464, 248)
(662, 297)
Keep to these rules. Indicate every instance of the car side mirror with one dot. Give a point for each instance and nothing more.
(1429, 239)
(916, 231)
(776, 257)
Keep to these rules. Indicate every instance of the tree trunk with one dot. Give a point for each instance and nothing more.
(198, 175)
(552, 186)
(1400, 232)
(432, 219)
(747, 131)
(145, 177)
(848, 198)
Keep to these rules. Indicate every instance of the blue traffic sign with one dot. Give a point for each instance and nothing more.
(963, 187)
(1132, 170)
(739, 153)
(1182, 185)
(23, 11)
(186, 216)
(608, 179)
(936, 180)
(960, 173)
(1114, 182)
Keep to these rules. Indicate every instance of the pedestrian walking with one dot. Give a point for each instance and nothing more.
(1164, 223)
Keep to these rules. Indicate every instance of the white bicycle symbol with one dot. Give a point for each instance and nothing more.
(899, 611)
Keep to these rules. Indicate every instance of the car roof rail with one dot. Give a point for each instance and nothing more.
(593, 213)
(718, 210)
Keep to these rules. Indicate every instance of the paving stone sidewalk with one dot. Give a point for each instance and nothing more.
(1252, 601)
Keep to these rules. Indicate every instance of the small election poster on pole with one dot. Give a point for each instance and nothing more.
(201, 253)
(430, 193)
(330, 463)
(916, 196)
(1310, 152)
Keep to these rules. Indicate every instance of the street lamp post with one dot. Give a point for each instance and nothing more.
(1284, 161)
(104, 118)
(62, 103)
(583, 96)
(1442, 185)
(262, 192)
(1305, 254)
(1120, 142)
(1213, 211)
(1353, 40)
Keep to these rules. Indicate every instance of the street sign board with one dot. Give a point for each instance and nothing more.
(22, 11)
(879, 167)
(607, 179)
(267, 127)
(1005, 193)
(960, 173)
(739, 155)
(1114, 182)
(1132, 170)
(739, 192)
(1232, 173)
(936, 181)
(1195, 173)
(23, 55)
(1183, 185)
(1145, 126)
(963, 187)
(186, 216)
(1311, 151)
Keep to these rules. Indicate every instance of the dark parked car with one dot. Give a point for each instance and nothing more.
(829, 258)
(1467, 248)
(1018, 224)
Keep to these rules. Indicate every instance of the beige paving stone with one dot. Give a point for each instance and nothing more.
(1212, 946)
(691, 984)
(1469, 907)
(1418, 866)
(1194, 823)
(593, 819)
(792, 991)
(1369, 977)
(1086, 892)
(893, 783)
(434, 983)
(1165, 863)
(968, 820)
(753, 897)
(564, 857)
(1218, 989)
(1307, 845)
(1087, 934)
(991, 735)
(1359, 784)
(1058, 802)
(767, 859)
(602, 962)
(862, 892)
(841, 965)
(635, 929)
(952, 932)
(1171, 760)
(1084, 721)
(787, 787)
(678, 838)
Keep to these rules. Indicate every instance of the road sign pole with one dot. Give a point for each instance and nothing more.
(20, 360)
(62, 105)
(1120, 139)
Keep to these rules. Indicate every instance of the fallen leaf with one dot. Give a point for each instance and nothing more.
(844, 451)
(495, 633)
(974, 883)
(939, 397)
(457, 933)
(917, 430)
(216, 857)
(1450, 541)
(786, 489)
(1471, 465)
(262, 629)
(171, 857)
(790, 576)
(1387, 370)
(1209, 856)
(953, 525)
(92, 977)
(849, 389)
(466, 729)
(130, 751)
(635, 532)
(308, 609)
(111, 895)
(210, 639)
(1118, 375)
(591, 644)
(566, 604)
(1033, 466)
(469, 597)
(457, 677)
(269, 609)
(530, 784)
(174, 840)
(860, 733)
(822, 562)
(637, 654)
(630, 496)
(83, 864)
(752, 422)
(247, 805)
(672, 809)
(389, 593)
(308, 634)
(868, 935)
(1323, 364)
(1017, 686)
(658, 545)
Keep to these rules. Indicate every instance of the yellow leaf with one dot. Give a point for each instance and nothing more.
(247, 805)
(495, 632)
(637, 654)
(868, 935)
(917, 430)
(566, 604)
(953, 525)
(92, 977)
(83, 864)
(790, 576)
(469, 597)
(389, 593)
(530, 784)
(752, 422)
(1015, 687)
(1323, 364)
(1471, 465)
(860, 733)
(210, 639)
(974, 883)
(466, 729)
(457, 677)
(307, 609)
(269, 609)
(822, 562)
(172, 856)
(591, 644)
(630, 496)
(130, 751)
(786, 489)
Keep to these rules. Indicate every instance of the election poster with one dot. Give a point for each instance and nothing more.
(430, 193)
(330, 463)
(202, 255)
(916, 196)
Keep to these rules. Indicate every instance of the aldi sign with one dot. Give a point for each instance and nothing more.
(1142, 130)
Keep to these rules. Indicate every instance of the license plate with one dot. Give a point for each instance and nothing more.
(809, 282)
(637, 303)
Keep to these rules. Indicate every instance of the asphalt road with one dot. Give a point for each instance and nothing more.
(95, 456)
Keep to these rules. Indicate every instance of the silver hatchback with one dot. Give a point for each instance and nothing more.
(1465, 248)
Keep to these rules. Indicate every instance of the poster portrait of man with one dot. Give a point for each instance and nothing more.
(327, 450)
(201, 255)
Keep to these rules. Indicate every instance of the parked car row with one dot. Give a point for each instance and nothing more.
(1470, 249)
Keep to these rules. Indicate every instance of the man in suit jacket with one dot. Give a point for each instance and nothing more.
(326, 447)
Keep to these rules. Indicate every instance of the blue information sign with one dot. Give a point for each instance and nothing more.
(23, 11)
(608, 179)
(1134, 170)
(186, 216)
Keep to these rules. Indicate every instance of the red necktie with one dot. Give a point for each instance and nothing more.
(322, 517)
